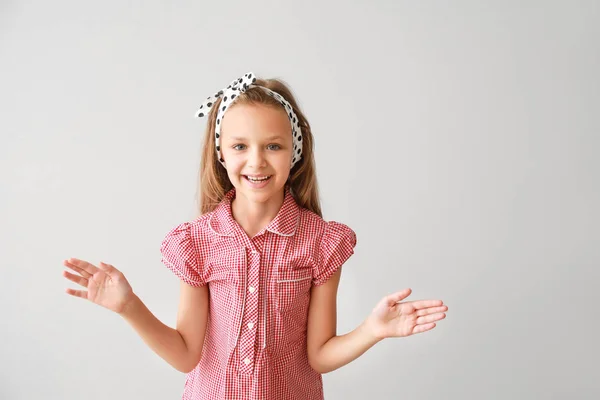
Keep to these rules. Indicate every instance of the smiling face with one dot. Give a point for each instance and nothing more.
(256, 144)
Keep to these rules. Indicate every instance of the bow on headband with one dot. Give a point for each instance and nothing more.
(229, 95)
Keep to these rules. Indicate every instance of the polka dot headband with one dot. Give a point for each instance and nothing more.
(228, 96)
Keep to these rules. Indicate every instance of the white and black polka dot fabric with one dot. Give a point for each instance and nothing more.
(229, 95)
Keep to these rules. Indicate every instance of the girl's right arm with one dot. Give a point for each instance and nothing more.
(180, 347)
(107, 287)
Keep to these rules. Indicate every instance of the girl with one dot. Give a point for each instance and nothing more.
(259, 268)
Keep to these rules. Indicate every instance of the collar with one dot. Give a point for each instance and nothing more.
(285, 222)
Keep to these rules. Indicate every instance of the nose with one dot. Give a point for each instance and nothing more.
(256, 158)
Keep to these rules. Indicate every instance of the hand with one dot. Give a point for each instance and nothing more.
(391, 318)
(106, 285)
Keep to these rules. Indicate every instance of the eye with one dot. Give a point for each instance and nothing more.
(274, 147)
(236, 147)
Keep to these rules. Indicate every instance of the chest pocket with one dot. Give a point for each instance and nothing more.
(293, 288)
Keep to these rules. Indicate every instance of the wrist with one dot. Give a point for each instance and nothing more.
(371, 332)
(129, 306)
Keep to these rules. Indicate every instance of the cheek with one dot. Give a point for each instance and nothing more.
(233, 165)
(284, 165)
(283, 168)
(284, 159)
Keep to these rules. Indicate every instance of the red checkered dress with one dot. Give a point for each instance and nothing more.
(255, 346)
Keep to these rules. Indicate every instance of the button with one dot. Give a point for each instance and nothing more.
(251, 289)
(251, 325)
(246, 361)
(254, 252)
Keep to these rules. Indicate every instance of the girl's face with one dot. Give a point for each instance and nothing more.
(257, 147)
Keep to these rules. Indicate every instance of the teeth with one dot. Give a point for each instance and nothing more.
(258, 179)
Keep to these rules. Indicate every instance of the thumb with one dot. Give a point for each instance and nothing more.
(397, 297)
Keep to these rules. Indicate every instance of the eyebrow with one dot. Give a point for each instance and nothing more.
(276, 137)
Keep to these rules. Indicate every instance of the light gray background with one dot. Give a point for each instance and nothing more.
(458, 139)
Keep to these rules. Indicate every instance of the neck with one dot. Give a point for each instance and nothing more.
(253, 216)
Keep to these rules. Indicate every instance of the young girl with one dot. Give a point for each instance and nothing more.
(259, 268)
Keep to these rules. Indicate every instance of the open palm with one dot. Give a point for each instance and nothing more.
(393, 318)
(106, 285)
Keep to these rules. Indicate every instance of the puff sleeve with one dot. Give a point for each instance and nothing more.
(180, 255)
(336, 246)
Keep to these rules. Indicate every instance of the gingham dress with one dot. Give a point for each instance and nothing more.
(255, 345)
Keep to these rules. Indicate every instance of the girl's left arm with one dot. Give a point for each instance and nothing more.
(390, 318)
(326, 351)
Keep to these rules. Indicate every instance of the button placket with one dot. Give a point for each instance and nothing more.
(248, 335)
(266, 279)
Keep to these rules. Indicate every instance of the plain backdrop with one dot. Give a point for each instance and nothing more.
(458, 139)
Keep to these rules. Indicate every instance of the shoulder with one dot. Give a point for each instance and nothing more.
(196, 231)
(312, 225)
(310, 222)
(331, 244)
(196, 227)
(200, 227)
(184, 251)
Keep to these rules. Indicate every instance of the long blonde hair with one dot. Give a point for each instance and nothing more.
(213, 180)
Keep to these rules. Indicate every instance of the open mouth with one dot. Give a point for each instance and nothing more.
(257, 179)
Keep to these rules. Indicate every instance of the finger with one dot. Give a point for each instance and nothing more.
(430, 318)
(420, 304)
(75, 268)
(84, 265)
(423, 328)
(76, 278)
(431, 310)
(397, 297)
(77, 293)
(109, 269)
